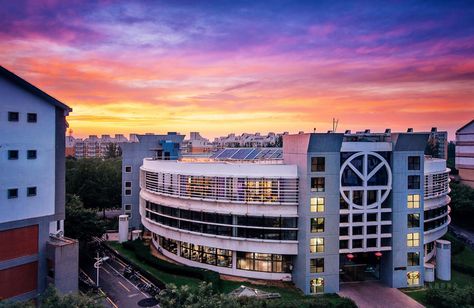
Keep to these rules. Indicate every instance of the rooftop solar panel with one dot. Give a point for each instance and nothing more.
(247, 153)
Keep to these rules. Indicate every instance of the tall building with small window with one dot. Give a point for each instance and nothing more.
(465, 153)
(325, 209)
(33, 252)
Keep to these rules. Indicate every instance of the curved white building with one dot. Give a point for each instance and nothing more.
(436, 209)
(235, 218)
(328, 209)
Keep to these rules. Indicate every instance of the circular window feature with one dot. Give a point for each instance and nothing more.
(366, 180)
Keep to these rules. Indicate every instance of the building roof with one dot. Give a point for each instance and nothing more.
(32, 89)
(465, 126)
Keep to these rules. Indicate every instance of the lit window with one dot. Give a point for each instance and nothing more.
(413, 220)
(413, 259)
(413, 239)
(317, 184)
(13, 154)
(128, 169)
(413, 201)
(316, 245)
(317, 225)
(413, 162)
(413, 278)
(32, 117)
(13, 193)
(316, 265)
(13, 116)
(31, 154)
(317, 204)
(316, 285)
(318, 164)
(413, 182)
(31, 191)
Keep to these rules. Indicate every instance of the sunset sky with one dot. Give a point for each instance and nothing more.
(233, 66)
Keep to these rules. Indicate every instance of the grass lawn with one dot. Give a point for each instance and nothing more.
(288, 295)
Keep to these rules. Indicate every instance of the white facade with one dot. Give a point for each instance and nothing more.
(22, 173)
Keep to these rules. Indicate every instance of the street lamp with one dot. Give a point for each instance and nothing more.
(97, 265)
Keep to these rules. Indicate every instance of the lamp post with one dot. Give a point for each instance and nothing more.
(97, 265)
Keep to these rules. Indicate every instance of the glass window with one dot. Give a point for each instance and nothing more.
(31, 154)
(316, 245)
(13, 154)
(128, 207)
(413, 220)
(316, 285)
(357, 243)
(413, 162)
(316, 265)
(413, 259)
(371, 229)
(413, 278)
(318, 164)
(128, 169)
(31, 191)
(128, 192)
(12, 193)
(128, 184)
(317, 225)
(413, 182)
(13, 116)
(317, 204)
(413, 201)
(317, 184)
(413, 239)
(32, 117)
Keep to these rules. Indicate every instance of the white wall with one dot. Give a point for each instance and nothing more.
(23, 173)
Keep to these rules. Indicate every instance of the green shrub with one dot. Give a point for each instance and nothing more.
(143, 254)
(450, 297)
(463, 268)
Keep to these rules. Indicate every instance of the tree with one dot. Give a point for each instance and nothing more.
(450, 297)
(462, 204)
(52, 299)
(203, 296)
(432, 147)
(97, 182)
(81, 223)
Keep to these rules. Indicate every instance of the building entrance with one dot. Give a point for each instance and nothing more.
(359, 266)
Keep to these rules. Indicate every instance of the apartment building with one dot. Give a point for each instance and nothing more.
(33, 252)
(98, 147)
(324, 210)
(249, 140)
(465, 153)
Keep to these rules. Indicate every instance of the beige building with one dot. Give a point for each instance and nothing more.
(465, 153)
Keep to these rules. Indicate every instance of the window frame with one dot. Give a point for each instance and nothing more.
(414, 163)
(413, 239)
(13, 116)
(127, 192)
(320, 184)
(316, 245)
(126, 167)
(316, 285)
(413, 201)
(317, 204)
(29, 156)
(413, 258)
(318, 224)
(13, 157)
(31, 191)
(316, 265)
(318, 164)
(412, 221)
(411, 182)
(32, 117)
(12, 193)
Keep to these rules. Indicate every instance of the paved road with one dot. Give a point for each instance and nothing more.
(121, 291)
(373, 294)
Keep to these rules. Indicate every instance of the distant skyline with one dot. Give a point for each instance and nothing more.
(241, 66)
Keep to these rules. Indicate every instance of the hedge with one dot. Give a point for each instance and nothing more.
(143, 254)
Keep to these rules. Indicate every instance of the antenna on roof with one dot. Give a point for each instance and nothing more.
(334, 124)
(314, 130)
